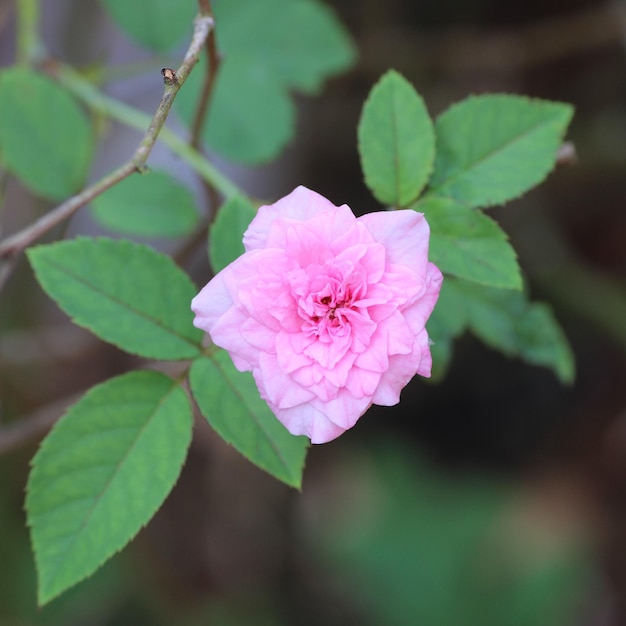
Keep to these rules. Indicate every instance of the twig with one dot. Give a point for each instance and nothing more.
(134, 118)
(6, 267)
(31, 427)
(199, 119)
(213, 62)
(16, 243)
(197, 238)
(28, 45)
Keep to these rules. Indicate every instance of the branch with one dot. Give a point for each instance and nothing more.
(28, 44)
(199, 119)
(134, 118)
(32, 427)
(13, 245)
(16, 243)
(213, 62)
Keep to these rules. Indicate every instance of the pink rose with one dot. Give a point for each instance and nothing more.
(327, 310)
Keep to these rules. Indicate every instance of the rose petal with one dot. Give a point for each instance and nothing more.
(404, 234)
(327, 310)
(309, 421)
(278, 387)
(300, 205)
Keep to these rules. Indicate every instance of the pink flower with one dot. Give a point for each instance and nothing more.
(327, 310)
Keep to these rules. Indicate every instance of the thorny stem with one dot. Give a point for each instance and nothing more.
(202, 27)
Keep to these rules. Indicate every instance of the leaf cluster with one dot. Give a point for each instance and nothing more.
(122, 446)
(483, 151)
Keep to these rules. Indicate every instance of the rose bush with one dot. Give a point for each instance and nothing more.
(327, 310)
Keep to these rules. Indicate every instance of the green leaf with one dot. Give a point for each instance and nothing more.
(468, 244)
(156, 24)
(441, 352)
(127, 294)
(102, 473)
(544, 343)
(251, 117)
(396, 141)
(506, 321)
(447, 321)
(45, 137)
(503, 319)
(150, 205)
(226, 234)
(301, 45)
(449, 317)
(230, 401)
(493, 148)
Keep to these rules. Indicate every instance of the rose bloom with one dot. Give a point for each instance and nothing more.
(327, 310)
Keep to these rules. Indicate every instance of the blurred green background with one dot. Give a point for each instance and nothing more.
(496, 496)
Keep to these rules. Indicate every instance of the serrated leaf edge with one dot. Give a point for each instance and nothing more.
(35, 251)
(436, 191)
(296, 484)
(43, 600)
(501, 234)
(394, 74)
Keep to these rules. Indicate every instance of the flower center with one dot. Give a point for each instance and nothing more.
(327, 299)
(326, 310)
(332, 307)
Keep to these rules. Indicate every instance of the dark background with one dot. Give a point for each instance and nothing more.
(232, 546)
